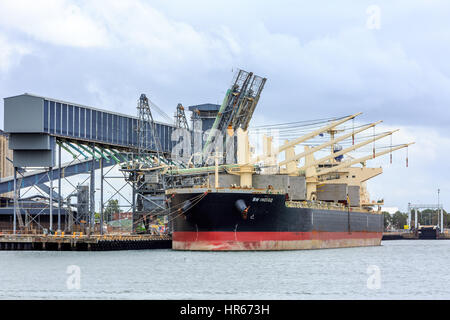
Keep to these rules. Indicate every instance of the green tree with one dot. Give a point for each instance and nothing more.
(387, 219)
(446, 219)
(111, 208)
(429, 217)
(399, 220)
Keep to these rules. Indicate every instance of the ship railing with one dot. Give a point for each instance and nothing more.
(321, 205)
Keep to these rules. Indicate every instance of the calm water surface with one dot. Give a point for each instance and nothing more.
(409, 269)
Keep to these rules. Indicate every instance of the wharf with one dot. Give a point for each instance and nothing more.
(411, 236)
(79, 242)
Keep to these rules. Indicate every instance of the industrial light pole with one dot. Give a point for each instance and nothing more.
(440, 211)
(439, 190)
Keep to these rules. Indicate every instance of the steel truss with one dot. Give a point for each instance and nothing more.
(414, 208)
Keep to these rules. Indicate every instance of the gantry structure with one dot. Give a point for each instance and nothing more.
(41, 129)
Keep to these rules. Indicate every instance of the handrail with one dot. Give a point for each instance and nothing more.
(325, 205)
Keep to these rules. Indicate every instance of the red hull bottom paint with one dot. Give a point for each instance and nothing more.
(241, 241)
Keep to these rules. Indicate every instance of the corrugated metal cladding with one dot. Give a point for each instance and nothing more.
(73, 121)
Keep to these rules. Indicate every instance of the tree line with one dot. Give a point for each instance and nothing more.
(398, 220)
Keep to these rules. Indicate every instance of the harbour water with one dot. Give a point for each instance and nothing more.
(403, 269)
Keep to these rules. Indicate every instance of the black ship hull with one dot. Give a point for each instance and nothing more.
(245, 220)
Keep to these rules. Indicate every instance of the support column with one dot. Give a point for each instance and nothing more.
(15, 200)
(409, 216)
(442, 220)
(92, 192)
(59, 188)
(133, 197)
(415, 218)
(269, 157)
(101, 194)
(50, 170)
(311, 177)
(243, 155)
(290, 153)
(133, 203)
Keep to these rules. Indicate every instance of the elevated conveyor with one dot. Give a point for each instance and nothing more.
(36, 123)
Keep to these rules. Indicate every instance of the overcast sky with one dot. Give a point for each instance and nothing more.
(387, 59)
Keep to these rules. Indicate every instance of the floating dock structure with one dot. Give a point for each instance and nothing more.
(414, 236)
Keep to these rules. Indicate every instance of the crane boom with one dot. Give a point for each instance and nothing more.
(352, 162)
(329, 143)
(344, 151)
(315, 133)
(306, 137)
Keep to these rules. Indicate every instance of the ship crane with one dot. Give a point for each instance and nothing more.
(293, 143)
(314, 170)
(347, 164)
(350, 176)
(247, 166)
(308, 136)
(327, 144)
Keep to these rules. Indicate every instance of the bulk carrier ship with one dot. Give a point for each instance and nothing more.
(320, 205)
(254, 219)
(281, 199)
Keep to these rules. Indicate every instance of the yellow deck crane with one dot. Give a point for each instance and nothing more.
(316, 171)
